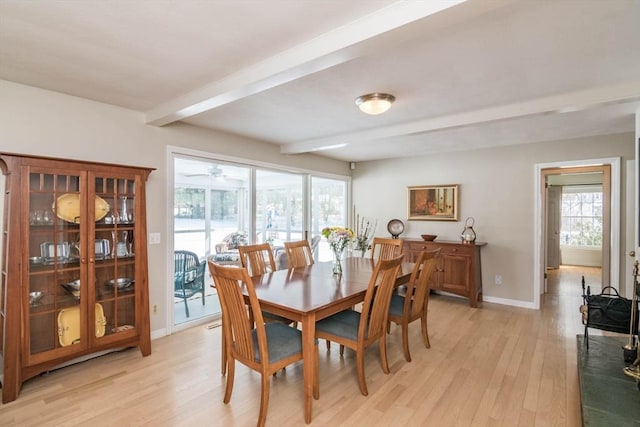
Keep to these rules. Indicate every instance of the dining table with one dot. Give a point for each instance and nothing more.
(312, 293)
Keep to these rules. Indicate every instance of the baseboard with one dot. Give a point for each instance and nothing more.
(158, 333)
(494, 300)
(511, 302)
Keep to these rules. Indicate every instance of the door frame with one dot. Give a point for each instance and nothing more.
(539, 262)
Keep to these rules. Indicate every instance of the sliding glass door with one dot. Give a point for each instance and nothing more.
(328, 209)
(220, 205)
(211, 216)
(279, 207)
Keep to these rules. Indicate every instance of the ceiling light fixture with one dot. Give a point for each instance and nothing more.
(375, 103)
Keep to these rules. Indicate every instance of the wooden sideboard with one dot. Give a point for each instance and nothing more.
(458, 270)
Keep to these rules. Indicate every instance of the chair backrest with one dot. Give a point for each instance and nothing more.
(257, 259)
(229, 282)
(184, 261)
(299, 253)
(375, 311)
(418, 287)
(386, 248)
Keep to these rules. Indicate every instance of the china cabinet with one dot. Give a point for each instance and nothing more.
(74, 264)
(458, 269)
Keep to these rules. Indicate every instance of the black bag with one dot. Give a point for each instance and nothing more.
(607, 311)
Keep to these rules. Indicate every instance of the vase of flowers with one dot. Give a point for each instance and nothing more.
(338, 238)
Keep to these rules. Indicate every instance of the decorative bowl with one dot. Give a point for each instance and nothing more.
(121, 283)
(35, 297)
(429, 237)
(75, 285)
(73, 288)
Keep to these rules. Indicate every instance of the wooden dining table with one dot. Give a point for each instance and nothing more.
(311, 293)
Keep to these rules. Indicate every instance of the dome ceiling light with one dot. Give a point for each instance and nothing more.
(375, 103)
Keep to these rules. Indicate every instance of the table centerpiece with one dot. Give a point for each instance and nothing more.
(338, 238)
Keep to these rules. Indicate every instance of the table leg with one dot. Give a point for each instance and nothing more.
(309, 361)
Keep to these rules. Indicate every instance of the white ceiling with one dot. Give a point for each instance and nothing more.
(466, 75)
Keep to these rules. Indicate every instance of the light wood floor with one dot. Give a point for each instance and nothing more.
(492, 366)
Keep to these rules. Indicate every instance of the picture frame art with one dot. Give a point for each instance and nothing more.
(432, 203)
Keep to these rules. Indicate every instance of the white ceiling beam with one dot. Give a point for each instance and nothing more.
(327, 50)
(568, 102)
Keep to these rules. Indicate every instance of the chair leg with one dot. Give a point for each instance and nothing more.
(186, 306)
(203, 294)
(360, 366)
(223, 368)
(425, 331)
(264, 400)
(328, 345)
(405, 341)
(383, 354)
(341, 350)
(231, 367)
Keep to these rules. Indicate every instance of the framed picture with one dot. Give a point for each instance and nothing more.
(432, 203)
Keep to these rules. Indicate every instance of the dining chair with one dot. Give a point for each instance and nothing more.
(299, 254)
(357, 330)
(258, 259)
(263, 347)
(413, 305)
(281, 258)
(386, 248)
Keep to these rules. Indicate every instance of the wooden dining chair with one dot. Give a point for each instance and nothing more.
(413, 305)
(258, 259)
(357, 330)
(299, 254)
(384, 248)
(265, 348)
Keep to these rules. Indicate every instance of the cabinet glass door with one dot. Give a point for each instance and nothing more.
(114, 255)
(56, 286)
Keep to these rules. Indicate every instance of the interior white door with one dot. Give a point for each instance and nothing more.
(554, 196)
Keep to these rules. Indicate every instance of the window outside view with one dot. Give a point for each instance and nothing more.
(582, 221)
(212, 216)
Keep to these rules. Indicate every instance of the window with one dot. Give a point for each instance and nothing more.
(582, 216)
(279, 207)
(328, 208)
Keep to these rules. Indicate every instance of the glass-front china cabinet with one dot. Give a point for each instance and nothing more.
(74, 263)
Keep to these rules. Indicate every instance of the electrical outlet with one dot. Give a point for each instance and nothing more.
(154, 238)
(498, 279)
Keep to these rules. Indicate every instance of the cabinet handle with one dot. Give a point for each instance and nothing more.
(84, 261)
(454, 250)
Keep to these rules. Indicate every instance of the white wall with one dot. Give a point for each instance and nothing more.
(581, 256)
(40, 122)
(496, 188)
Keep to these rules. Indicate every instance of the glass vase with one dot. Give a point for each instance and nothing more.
(337, 261)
